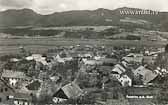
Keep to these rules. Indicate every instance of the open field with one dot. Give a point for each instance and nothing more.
(42, 44)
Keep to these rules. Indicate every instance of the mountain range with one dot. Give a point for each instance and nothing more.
(98, 17)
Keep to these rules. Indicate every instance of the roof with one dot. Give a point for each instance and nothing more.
(109, 60)
(107, 68)
(129, 73)
(114, 72)
(60, 94)
(147, 74)
(133, 59)
(22, 96)
(135, 55)
(34, 85)
(13, 74)
(92, 62)
(72, 90)
(118, 68)
(37, 58)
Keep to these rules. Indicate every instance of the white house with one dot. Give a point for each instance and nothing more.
(13, 76)
(125, 80)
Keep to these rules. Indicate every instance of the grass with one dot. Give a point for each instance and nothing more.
(42, 44)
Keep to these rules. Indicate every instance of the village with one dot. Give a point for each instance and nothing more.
(84, 74)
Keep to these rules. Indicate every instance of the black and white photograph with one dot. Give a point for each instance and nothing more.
(83, 52)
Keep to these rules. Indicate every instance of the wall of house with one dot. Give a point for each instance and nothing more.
(5, 92)
(22, 102)
(125, 80)
(4, 97)
(58, 100)
(13, 81)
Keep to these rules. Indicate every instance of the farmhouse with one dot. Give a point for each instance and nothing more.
(13, 77)
(146, 74)
(22, 99)
(5, 91)
(71, 90)
(125, 80)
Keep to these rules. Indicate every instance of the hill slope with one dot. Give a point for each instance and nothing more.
(27, 17)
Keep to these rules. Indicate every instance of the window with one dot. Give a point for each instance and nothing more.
(0, 100)
(6, 89)
(1, 90)
(7, 97)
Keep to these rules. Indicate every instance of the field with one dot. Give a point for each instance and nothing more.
(42, 44)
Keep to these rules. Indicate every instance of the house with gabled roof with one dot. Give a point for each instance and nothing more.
(22, 99)
(5, 91)
(146, 74)
(13, 77)
(126, 78)
(71, 90)
(134, 58)
(123, 75)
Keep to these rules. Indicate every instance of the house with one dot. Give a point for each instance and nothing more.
(125, 63)
(145, 74)
(149, 60)
(114, 75)
(109, 61)
(133, 58)
(22, 99)
(123, 75)
(91, 62)
(14, 60)
(34, 85)
(5, 91)
(13, 77)
(43, 76)
(37, 58)
(59, 59)
(134, 55)
(99, 57)
(105, 70)
(125, 80)
(71, 90)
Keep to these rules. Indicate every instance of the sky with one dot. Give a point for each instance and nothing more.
(51, 6)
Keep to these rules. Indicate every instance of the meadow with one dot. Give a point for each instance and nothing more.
(11, 45)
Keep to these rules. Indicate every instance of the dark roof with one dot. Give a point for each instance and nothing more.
(114, 72)
(70, 90)
(129, 73)
(34, 86)
(60, 94)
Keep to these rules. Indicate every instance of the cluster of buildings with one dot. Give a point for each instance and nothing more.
(72, 72)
